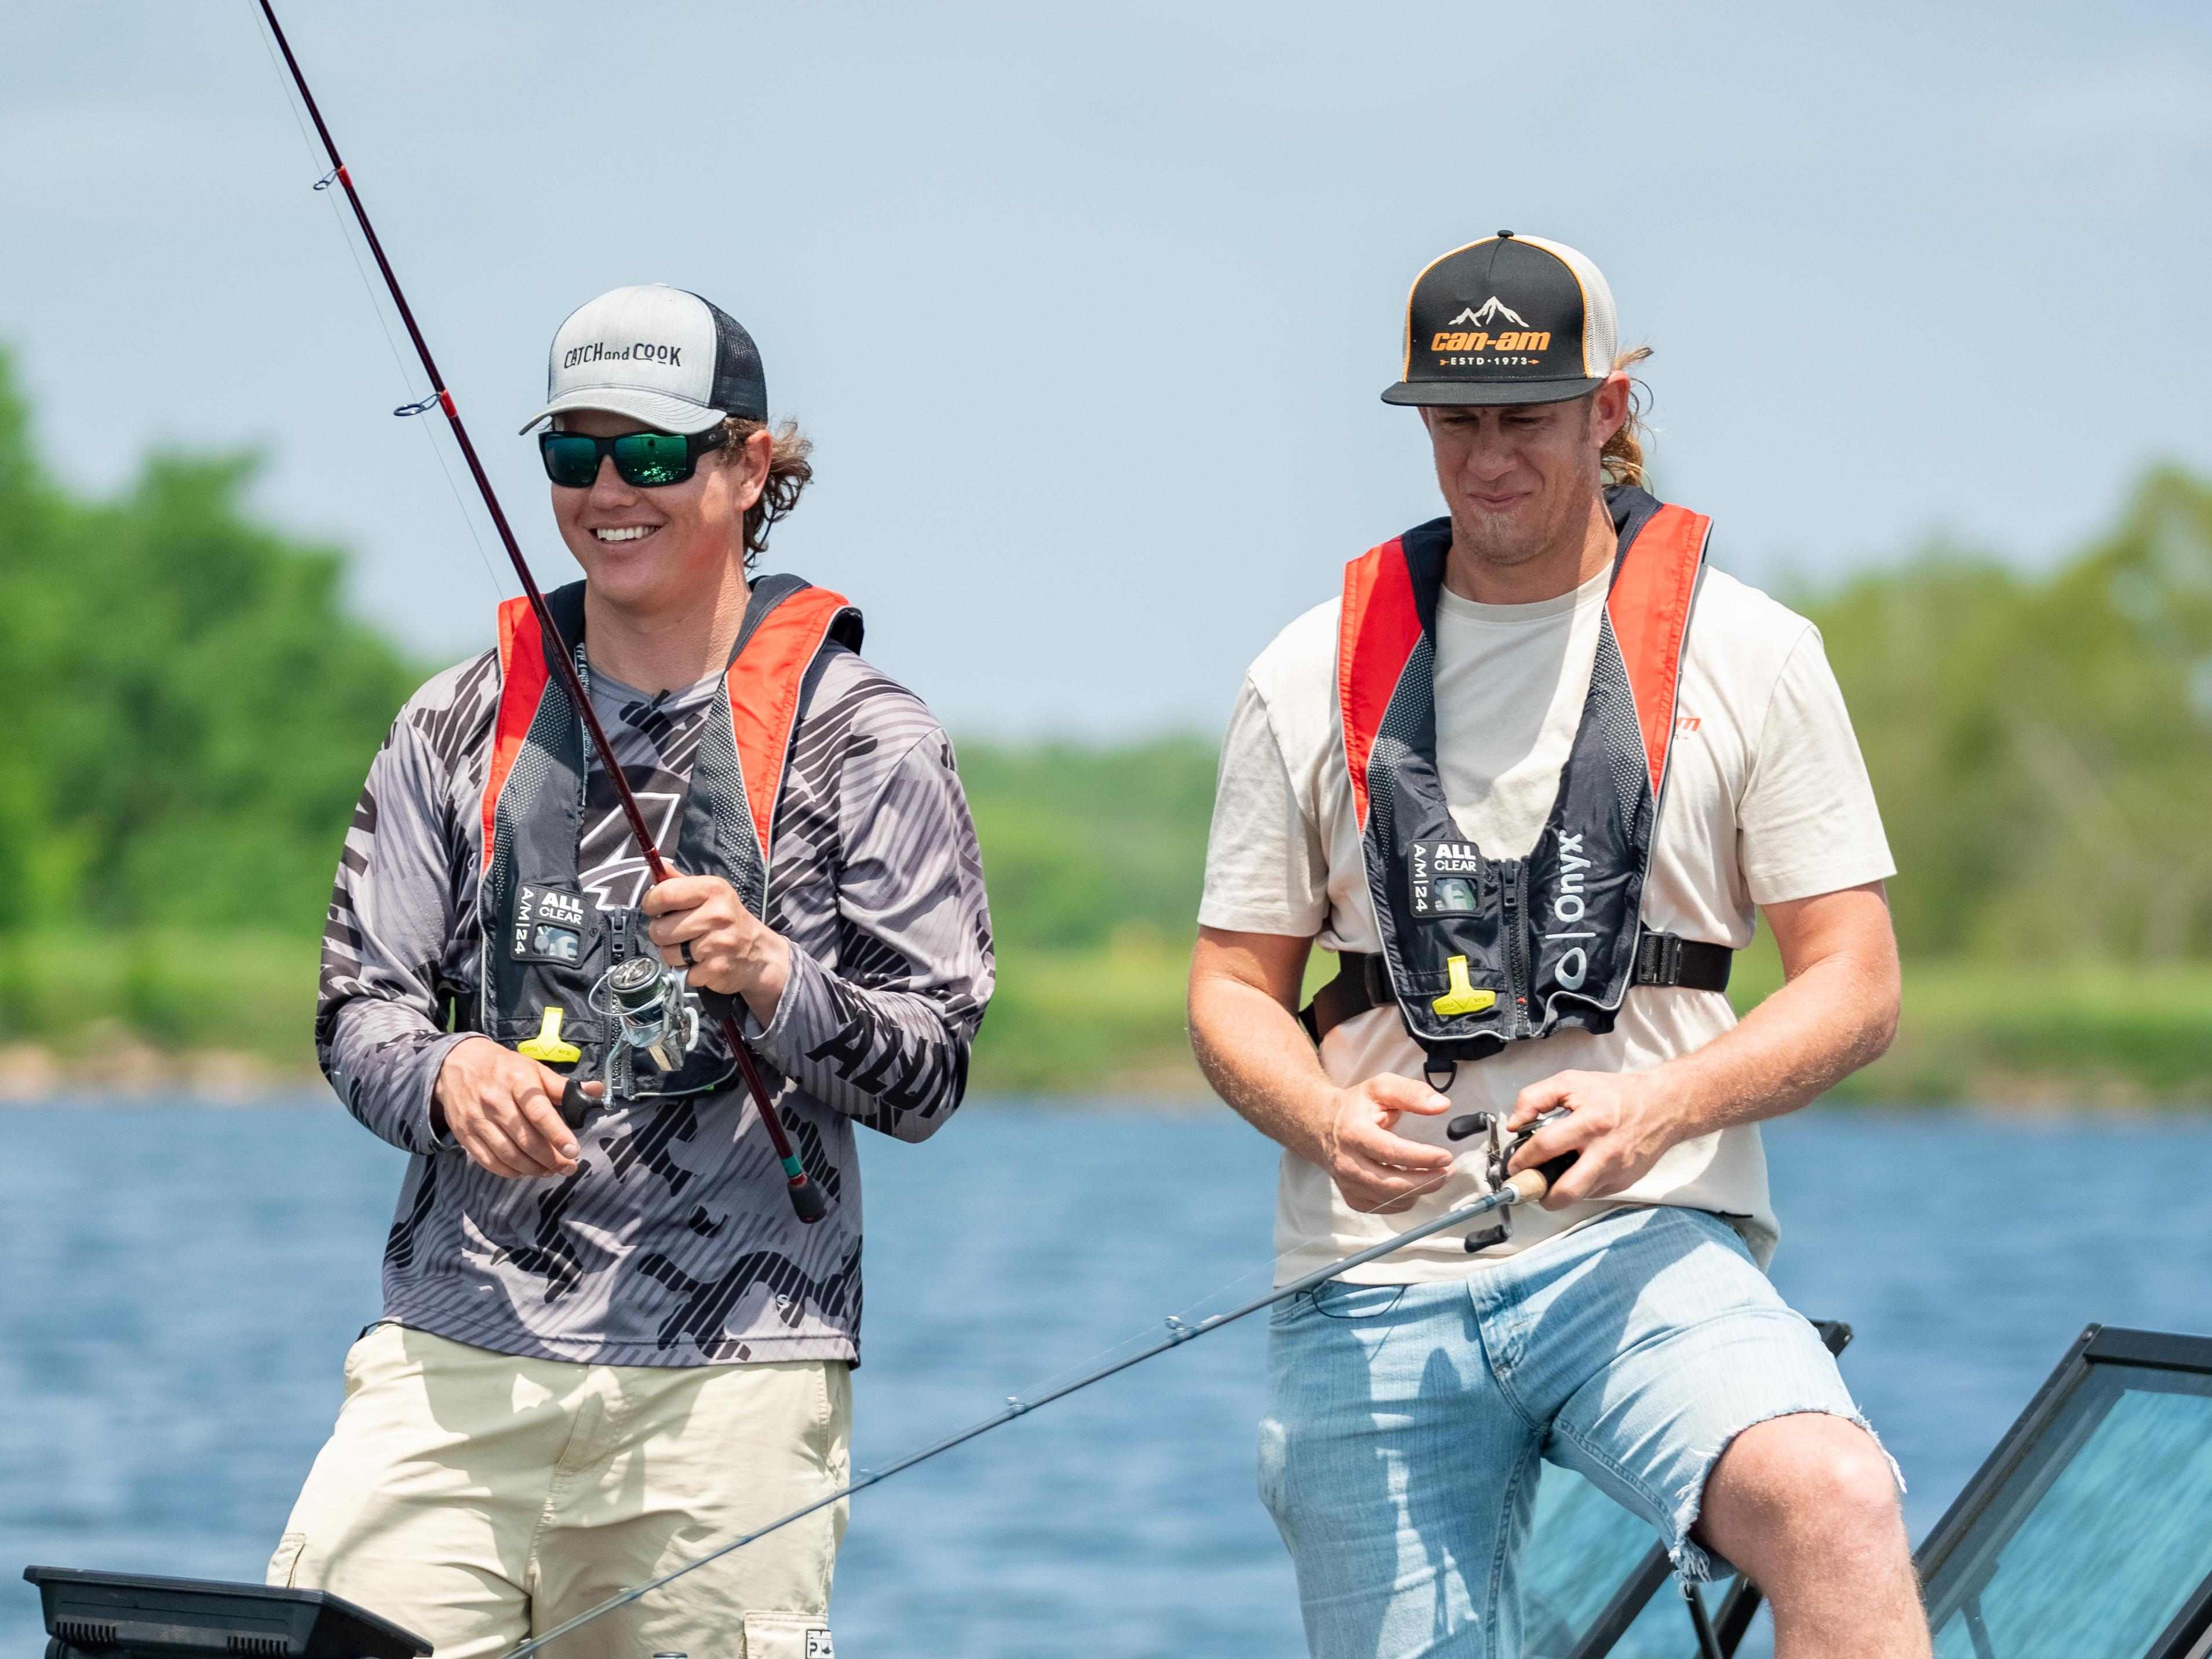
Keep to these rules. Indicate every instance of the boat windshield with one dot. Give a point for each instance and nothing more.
(2095, 1534)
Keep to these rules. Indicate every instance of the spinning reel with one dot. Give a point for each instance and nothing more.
(651, 1015)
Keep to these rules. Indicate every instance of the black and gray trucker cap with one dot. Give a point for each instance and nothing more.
(658, 355)
(1508, 319)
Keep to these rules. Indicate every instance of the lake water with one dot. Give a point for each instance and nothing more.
(181, 1283)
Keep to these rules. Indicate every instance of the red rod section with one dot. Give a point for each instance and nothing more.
(806, 1198)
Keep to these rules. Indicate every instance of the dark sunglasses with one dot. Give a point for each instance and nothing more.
(645, 461)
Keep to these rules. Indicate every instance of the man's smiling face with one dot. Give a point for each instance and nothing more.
(655, 549)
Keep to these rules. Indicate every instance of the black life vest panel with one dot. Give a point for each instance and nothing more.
(1479, 952)
(546, 940)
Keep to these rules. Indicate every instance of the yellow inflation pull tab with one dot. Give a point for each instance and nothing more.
(548, 1048)
(1461, 998)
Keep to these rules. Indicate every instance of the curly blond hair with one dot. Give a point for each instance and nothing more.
(790, 470)
(1622, 460)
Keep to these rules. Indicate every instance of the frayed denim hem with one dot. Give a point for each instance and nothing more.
(1698, 1565)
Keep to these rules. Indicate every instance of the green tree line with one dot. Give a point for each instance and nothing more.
(192, 707)
(2042, 746)
(188, 710)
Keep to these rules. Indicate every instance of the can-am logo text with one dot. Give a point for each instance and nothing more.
(1476, 336)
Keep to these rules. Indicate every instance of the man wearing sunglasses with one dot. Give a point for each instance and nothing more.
(606, 1348)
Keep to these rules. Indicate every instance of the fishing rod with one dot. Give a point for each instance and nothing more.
(1528, 1186)
(806, 1200)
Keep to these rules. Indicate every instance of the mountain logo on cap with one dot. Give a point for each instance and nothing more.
(1493, 309)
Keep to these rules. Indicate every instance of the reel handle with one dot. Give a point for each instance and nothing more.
(575, 1102)
(1475, 1123)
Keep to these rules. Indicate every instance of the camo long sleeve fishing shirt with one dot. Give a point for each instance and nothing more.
(673, 1242)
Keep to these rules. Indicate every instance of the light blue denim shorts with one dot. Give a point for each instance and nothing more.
(1406, 1423)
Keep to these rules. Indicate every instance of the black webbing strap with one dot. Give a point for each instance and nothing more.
(1664, 959)
(1362, 982)
(1692, 964)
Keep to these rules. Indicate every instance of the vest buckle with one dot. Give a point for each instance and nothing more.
(1659, 959)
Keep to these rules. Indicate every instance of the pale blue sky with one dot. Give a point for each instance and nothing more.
(1087, 307)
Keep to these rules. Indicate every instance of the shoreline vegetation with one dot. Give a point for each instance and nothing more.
(228, 1019)
(2041, 746)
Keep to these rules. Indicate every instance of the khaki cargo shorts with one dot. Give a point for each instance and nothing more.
(477, 1498)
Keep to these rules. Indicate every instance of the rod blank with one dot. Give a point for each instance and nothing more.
(806, 1200)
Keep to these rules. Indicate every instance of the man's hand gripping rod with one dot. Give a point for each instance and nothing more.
(1526, 1188)
(806, 1200)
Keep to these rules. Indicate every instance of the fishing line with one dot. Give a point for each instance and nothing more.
(378, 305)
(807, 1202)
(1528, 1187)
(299, 101)
(1138, 1338)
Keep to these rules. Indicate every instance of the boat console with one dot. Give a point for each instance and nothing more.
(114, 1615)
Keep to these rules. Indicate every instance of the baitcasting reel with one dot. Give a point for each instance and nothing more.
(650, 1013)
(1502, 1149)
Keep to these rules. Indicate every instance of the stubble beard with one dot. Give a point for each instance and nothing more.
(1499, 541)
(1553, 525)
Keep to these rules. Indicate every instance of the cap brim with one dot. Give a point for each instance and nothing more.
(658, 409)
(1450, 392)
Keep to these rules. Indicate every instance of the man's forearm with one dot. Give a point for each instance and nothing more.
(383, 1058)
(894, 1060)
(1254, 1052)
(1257, 1057)
(1837, 1016)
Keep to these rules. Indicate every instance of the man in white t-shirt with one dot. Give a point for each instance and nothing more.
(1533, 776)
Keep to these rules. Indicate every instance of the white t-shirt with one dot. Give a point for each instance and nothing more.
(1767, 800)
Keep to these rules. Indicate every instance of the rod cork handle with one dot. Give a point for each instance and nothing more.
(1535, 1185)
(1531, 1185)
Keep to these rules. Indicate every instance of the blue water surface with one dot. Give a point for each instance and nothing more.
(182, 1281)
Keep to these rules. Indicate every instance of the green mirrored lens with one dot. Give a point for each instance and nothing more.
(571, 459)
(653, 457)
